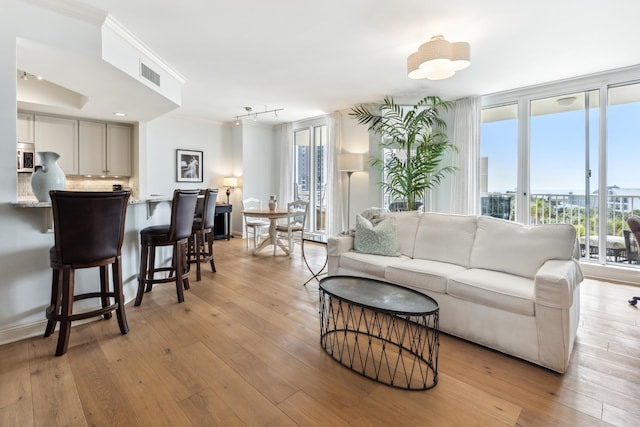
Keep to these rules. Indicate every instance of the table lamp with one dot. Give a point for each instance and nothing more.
(350, 163)
(229, 182)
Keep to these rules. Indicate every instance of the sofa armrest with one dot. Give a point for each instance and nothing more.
(337, 245)
(555, 283)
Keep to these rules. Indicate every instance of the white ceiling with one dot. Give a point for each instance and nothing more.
(314, 57)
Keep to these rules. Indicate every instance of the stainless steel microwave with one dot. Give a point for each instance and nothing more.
(26, 157)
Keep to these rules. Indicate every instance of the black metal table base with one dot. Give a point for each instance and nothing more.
(397, 350)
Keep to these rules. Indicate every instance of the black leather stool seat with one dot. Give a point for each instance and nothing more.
(174, 234)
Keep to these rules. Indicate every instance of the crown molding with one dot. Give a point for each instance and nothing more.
(112, 24)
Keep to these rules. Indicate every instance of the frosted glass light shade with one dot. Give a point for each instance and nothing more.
(438, 59)
(460, 55)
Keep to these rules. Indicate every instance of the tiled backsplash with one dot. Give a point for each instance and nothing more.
(74, 183)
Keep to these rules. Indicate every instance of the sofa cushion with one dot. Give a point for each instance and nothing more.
(494, 289)
(514, 248)
(374, 265)
(406, 227)
(422, 274)
(379, 239)
(445, 238)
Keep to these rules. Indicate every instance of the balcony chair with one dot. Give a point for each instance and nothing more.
(631, 247)
(634, 224)
(201, 239)
(296, 221)
(254, 226)
(88, 232)
(174, 234)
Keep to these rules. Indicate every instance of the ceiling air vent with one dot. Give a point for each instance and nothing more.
(149, 74)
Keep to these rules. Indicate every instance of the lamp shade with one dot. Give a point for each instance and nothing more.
(230, 181)
(350, 162)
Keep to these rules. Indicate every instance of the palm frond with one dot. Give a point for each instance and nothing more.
(419, 131)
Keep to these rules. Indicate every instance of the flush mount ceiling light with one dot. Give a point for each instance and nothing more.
(438, 59)
(566, 101)
(254, 114)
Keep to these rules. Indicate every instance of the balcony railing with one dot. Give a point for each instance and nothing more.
(572, 209)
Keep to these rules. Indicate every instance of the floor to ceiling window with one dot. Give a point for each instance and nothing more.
(310, 173)
(499, 161)
(565, 157)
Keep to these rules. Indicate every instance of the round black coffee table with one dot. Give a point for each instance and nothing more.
(384, 332)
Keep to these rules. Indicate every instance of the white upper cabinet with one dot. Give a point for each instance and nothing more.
(24, 128)
(118, 150)
(92, 148)
(105, 149)
(60, 136)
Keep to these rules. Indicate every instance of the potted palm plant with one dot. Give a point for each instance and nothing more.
(417, 133)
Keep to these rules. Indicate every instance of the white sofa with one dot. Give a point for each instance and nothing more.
(500, 284)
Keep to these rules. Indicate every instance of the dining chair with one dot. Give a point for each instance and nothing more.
(201, 239)
(253, 226)
(88, 232)
(296, 220)
(175, 235)
(634, 224)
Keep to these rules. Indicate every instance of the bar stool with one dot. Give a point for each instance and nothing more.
(88, 232)
(201, 239)
(174, 234)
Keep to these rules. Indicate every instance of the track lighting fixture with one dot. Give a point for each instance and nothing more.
(254, 114)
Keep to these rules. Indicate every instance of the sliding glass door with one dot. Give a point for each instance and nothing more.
(563, 147)
(623, 178)
(310, 173)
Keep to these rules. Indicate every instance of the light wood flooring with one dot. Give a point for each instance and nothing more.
(243, 350)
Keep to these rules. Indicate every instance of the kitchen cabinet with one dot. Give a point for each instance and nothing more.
(105, 149)
(59, 135)
(92, 141)
(119, 150)
(24, 128)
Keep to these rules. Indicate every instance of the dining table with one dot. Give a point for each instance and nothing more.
(273, 215)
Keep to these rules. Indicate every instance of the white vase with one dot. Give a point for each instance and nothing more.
(273, 204)
(47, 176)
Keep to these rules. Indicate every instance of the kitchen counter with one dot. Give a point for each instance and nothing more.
(33, 203)
(152, 203)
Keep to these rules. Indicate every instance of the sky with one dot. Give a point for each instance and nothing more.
(557, 154)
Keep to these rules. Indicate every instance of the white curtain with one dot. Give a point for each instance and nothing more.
(335, 207)
(286, 164)
(466, 136)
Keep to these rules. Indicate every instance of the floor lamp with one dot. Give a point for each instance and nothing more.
(350, 163)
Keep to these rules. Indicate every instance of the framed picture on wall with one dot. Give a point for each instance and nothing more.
(188, 166)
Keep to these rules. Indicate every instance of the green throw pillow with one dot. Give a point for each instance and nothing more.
(377, 240)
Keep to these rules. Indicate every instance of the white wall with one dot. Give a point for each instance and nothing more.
(166, 134)
(256, 163)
